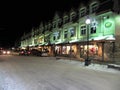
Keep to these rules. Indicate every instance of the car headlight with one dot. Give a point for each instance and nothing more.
(8, 52)
(4, 52)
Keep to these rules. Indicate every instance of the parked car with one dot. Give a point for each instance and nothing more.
(44, 54)
(24, 52)
(35, 52)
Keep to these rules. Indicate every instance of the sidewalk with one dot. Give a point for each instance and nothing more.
(101, 66)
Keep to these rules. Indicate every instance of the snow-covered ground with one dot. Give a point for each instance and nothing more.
(97, 67)
(47, 73)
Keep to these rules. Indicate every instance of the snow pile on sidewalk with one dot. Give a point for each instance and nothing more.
(100, 67)
(97, 67)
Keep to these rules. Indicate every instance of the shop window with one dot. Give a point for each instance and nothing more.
(93, 50)
(64, 50)
(57, 50)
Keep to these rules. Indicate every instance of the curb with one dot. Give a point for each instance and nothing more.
(114, 66)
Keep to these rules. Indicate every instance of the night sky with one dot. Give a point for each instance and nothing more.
(20, 16)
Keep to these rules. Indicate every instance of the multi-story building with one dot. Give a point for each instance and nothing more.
(68, 34)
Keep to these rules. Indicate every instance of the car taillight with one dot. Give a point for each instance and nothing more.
(28, 52)
(22, 52)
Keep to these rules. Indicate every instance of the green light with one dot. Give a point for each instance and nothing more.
(117, 18)
(108, 24)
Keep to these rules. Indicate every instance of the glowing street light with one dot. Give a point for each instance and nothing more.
(87, 21)
(87, 56)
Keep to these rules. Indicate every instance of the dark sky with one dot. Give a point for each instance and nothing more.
(17, 17)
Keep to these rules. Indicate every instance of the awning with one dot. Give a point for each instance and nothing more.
(107, 37)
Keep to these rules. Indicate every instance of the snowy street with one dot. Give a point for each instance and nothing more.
(47, 73)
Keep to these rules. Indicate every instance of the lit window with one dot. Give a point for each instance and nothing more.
(72, 32)
(56, 35)
(93, 28)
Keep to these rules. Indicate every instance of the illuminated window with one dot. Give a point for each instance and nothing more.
(56, 35)
(83, 30)
(93, 28)
(72, 32)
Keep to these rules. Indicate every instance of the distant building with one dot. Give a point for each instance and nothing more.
(66, 34)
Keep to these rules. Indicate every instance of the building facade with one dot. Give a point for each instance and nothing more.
(69, 35)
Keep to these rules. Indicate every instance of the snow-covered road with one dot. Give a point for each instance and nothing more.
(47, 73)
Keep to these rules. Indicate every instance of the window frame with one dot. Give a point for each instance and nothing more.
(83, 30)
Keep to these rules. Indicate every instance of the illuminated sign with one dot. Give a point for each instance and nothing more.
(108, 24)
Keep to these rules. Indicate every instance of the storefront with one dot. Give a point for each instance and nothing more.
(66, 49)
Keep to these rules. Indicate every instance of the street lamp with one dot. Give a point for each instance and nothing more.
(87, 56)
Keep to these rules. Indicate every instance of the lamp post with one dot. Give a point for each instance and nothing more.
(87, 56)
